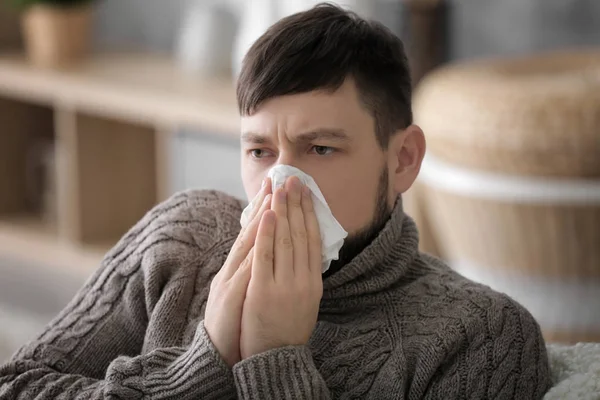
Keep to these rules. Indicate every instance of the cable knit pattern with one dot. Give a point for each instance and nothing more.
(393, 324)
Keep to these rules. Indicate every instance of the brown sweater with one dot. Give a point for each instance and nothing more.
(393, 324)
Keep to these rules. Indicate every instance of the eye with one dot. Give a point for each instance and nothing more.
(323, 150)
(259, 153)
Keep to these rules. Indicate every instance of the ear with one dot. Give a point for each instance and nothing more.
(406, 151)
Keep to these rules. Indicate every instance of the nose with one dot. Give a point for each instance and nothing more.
(287, 158)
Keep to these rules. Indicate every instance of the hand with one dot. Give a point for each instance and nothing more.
(228, 289)
(286, 286)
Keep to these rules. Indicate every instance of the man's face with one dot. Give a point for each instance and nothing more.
(329, 136)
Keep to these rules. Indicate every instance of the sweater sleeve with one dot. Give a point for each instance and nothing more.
(284, 373)
(505, 359)
(94, 348)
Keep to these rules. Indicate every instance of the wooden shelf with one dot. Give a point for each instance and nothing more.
(144, 88)
(110, 120)
(26, 237)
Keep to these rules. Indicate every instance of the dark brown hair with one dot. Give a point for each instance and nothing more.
(318, 49)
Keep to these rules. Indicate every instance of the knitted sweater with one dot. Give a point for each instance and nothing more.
(393, 324)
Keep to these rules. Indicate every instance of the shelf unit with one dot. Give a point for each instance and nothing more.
(110, 120)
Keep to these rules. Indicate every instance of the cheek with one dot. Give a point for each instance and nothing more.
(352, 199)
(252, 180)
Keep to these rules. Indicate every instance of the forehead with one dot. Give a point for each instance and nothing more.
(340, 109)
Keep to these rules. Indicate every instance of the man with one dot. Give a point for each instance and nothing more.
(186, 306)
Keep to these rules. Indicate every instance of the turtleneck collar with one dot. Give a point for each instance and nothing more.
(380, 265)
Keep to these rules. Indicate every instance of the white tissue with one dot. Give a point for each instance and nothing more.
(332, 233)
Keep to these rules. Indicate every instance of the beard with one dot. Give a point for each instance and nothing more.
(357, 242)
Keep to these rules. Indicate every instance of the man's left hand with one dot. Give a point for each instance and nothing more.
(285, 290)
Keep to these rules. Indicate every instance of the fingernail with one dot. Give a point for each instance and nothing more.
(267, 199)
(296, 183)
(306, 190)
(264, 182)
(269, 217)
(282, 196)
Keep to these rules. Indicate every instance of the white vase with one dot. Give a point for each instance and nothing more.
(257, 16)
(206, 39)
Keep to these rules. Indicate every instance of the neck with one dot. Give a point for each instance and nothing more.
(381, 264)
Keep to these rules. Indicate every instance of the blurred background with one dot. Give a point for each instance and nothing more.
(108, 107)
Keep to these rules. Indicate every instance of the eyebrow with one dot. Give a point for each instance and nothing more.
(337, 135)
(250, 137)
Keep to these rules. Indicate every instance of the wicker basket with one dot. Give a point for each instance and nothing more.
(512, 182)
(537, 115)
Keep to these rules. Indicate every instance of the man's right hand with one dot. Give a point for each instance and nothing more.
(223, 315)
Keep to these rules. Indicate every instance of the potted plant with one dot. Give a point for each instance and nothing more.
(56, 32)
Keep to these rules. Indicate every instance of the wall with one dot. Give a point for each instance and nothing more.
(150, 24)
(500, 27)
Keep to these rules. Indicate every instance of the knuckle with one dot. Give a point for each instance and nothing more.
(245, 263)
(286, 242)
(267, 256)
(300, 236)
(240, 245)
(215, 283)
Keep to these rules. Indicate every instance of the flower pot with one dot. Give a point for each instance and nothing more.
(56, 36)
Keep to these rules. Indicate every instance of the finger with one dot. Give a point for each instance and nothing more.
(284, 250)
(264, 249)
(297, 227)
(312, 232)
(260, 197)
(244, 242)
(241, 278)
